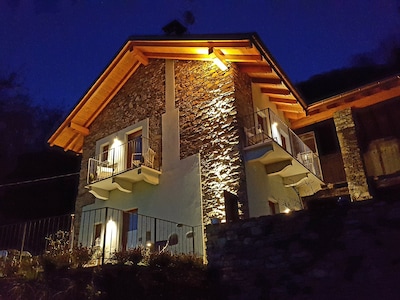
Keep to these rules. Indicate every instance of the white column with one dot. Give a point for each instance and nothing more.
(170, 121)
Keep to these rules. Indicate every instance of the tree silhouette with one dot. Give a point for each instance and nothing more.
(25, 156)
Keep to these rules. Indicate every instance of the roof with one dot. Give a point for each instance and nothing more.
(245, 50)
(363, 96)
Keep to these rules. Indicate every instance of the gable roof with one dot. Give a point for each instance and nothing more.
(245, 50)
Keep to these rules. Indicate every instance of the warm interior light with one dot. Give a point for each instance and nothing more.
(286, 210)
(111, 236)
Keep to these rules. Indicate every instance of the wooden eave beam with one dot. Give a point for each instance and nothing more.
(140, 56)
(79, 129)
(254, 68)
(278, 91)
(283, 100)
(294, 115)
(264, 80)
(194, 56)
(295, 108)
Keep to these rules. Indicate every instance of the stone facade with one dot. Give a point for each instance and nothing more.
(342, 252)
(208, 101)
(352, 160)
(142, 96)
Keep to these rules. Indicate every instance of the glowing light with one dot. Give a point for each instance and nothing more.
(218, 58)
(116, 154)
(275, 133)
(286, 210)
(111, 236)
(220, 64)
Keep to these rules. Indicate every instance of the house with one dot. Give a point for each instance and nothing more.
(178, 131)
(358, 134)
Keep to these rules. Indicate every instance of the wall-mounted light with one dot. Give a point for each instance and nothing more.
(218, 58)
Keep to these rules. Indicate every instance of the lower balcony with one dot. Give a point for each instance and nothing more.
(122, 166)
(271, 142)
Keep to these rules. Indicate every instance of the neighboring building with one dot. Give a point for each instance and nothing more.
(358, 133)
(186, 129)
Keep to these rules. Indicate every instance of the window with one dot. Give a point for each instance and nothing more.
(129, 229)
(104, 152)
(97, 234)
(273, 207)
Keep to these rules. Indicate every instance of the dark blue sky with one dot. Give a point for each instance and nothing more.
(61, 46)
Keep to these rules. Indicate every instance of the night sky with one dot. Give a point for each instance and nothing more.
(60, 47)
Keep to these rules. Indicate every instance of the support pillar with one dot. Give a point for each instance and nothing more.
(352, 160)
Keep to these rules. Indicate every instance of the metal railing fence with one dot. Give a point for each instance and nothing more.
(31, 236)
(110, 230)
(265, 125)
(117, 159)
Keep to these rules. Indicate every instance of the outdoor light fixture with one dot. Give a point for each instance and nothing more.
(218, 59)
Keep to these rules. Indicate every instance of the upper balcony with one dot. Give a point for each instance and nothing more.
(270, 141)
(122, 165)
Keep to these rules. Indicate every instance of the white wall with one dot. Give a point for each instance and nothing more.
(262, 187)
(177, 198)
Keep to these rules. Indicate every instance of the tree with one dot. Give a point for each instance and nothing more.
(25, 156)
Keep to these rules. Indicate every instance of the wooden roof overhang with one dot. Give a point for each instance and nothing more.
(364, 96)
(246, 51)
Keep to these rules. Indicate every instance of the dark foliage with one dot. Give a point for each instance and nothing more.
(25, 128)
(364, 69)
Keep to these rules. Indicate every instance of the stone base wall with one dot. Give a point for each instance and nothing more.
(352, 160)
(327, 253)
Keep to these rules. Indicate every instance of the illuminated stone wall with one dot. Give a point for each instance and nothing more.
(352, 160)
(209, 101)
(141, 97)
(348, 252)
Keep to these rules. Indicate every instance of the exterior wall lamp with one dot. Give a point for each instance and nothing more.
(218, 58)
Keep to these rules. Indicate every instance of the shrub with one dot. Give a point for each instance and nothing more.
(131, 256)
(80, 256)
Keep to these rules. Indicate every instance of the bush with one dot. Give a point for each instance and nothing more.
(131, 256)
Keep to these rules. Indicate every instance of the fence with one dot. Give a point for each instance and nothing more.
(105, 231)
(109, 230)
(31, 235)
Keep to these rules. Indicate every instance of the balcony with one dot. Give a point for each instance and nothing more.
(270, 141)
(122, 165)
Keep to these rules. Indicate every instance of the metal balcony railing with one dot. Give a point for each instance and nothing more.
(133, 154)
(264, 125)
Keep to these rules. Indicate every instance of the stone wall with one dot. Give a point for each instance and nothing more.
(142, 96)
(206, 98)
(333, 252)
(352, 160)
